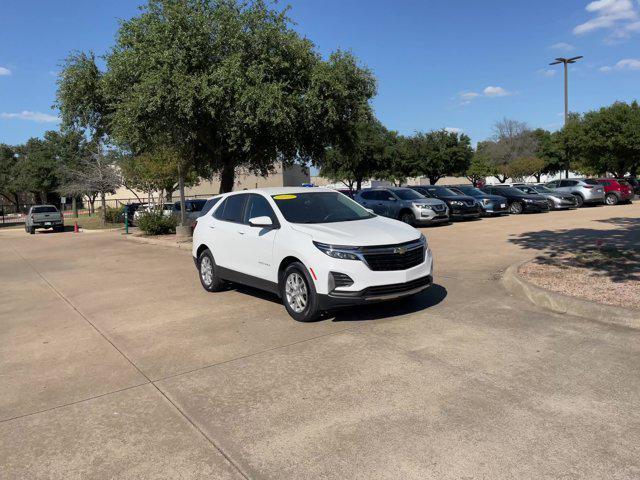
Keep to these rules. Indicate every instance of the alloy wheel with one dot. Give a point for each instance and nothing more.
(296, 292)
(206, 270)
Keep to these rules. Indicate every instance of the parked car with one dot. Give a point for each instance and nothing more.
(556, 200)
(43, 216)
(347, 192)
(634, 182)
(616, 191)
(491, 204)
(192, 209)
(518, 201)
(460, 206)
(403, 204)
(585, 190)
(314, 247)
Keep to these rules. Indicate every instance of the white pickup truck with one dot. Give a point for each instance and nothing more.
(43, 216)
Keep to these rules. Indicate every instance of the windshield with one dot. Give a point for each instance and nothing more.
(445, 192)
(473, 191)
(408, 194)
(319, 207)
(540, 189)
(525, 189)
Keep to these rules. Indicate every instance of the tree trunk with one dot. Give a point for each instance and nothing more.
(433, 180)
(537, 177)
(103, 214)
(74, 206)
(181, 189)
(358, 184)
(227, 178)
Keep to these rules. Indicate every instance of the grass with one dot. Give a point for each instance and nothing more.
(89, 222)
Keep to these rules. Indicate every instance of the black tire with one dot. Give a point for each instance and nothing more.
(551, 204)
(611, 199)
(32, 230)
(408, 217)
(579, 201)
(212, 282)
(516, 208)
(296, 272)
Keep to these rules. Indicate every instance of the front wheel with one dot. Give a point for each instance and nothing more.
(408, 217)
(516, 208)
(32, 230)
(611, 199)
(207, 269)
(579, 201)
(299, 294)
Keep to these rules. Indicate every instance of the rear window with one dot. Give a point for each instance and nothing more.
(232, 209)
(209, 204)
(45, 209)
(590, 181)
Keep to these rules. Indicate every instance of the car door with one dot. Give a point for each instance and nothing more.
(257, 242)
(567, 186)
(229, 231)
(367, 199)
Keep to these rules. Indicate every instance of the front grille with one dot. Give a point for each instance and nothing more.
(341, 280)
(397, 287)
(394, 257)
(471, 203)
(439, 208)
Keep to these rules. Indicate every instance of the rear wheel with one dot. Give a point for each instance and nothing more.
(299, 294)
(579, 201)
(408, 217)
(32, 230)
(516, 208)
(209, 278)
(551, 204)
(611, 199)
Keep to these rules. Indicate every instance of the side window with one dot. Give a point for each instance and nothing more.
(258, 206)
(209, 205)
(385, 195)
(232, 209)
(368, 195)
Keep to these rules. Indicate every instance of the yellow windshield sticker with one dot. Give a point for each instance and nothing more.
(284, 197)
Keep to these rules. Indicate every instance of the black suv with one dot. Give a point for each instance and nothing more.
(460, 206)
(518, 200)
(491, 204)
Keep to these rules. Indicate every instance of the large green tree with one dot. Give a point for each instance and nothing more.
(610, 139)
(9, 185)
(439, 153)
(38, 167)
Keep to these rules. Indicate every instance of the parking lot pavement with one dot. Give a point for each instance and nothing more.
(119, 365)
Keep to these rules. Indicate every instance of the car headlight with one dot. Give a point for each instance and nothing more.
(422, 205)
(456, 202)
(338, 251)
(528, 200)
(485, 201)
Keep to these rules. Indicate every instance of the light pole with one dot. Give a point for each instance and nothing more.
(566, 62)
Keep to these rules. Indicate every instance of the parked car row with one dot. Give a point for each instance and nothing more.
(432, 204)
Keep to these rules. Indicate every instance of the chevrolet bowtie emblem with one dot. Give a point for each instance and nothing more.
(400, 250)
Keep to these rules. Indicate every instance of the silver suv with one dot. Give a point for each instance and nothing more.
(585, 190)
(403, 204)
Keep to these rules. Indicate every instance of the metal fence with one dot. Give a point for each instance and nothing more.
(12, 215)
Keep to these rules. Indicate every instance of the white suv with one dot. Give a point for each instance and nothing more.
(315, 248)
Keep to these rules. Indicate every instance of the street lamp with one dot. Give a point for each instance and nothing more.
(566, 62)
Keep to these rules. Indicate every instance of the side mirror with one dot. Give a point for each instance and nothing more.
(264, 222)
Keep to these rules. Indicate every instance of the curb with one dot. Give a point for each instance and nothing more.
(163, 243)
(560, 303)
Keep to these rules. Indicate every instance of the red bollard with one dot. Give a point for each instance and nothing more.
(75, 227)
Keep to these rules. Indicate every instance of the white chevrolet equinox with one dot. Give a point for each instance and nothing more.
(315, 248)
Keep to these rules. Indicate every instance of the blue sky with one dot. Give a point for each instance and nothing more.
(440, 64)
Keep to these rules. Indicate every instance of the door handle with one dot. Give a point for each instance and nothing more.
(240, 232)
(212, 226)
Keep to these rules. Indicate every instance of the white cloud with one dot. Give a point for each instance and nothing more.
(548, 73)
(495, 92)
(565, 47)
(619, 17)
(4, 71)
(624, 64)
(467, 97)
(31, 116)
(454, 130)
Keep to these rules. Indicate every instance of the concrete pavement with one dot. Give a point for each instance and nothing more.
(114, 363)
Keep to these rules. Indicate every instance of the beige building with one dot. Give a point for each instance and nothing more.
(293, 176)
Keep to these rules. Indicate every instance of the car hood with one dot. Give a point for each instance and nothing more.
(493, 198)
(462, 198)
(426, 201)
(367, 232)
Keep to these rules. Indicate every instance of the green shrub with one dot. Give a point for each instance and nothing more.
(115, 215)
(155, 223)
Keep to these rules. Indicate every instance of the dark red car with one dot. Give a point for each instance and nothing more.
(616, 191)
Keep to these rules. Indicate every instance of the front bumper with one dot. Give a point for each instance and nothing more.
(495, 208)
(427, 216)
(465, 211)
(561, 203)
(374, 294)
(536, 206)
